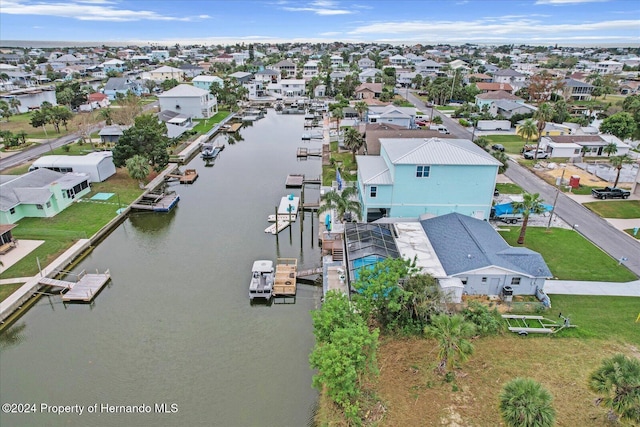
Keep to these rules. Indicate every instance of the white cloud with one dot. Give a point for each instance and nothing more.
(320, 7)
(561, 2)
(85, 10)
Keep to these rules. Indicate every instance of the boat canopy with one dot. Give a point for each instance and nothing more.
(262, 266)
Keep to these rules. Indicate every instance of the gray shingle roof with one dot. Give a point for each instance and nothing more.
(183, 91)
(465, 244)
(33, 187)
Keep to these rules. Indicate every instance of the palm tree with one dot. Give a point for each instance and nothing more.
(106, 114)
(610, 149)
(527, 129)
(524, 402)
(354, 141)
(15, 103)
(342, 201)
(542, 115)
(530, 204)
(617, 162)
(451, 332)
(361, 107)
(618, 381)
(502, 158)
(138, 167)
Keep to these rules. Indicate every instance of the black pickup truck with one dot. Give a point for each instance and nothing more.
(610, 193)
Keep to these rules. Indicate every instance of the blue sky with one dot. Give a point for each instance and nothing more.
(565, 22)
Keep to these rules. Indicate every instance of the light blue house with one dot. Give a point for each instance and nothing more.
(204, 82)
(414, 176)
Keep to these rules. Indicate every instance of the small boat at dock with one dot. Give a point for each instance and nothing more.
(210, 151)
(262, 278)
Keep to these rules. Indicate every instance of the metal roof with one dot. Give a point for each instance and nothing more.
(373, 170)
(183, 91)
(436, 151)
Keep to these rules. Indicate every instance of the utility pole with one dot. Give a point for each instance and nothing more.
(553, 208)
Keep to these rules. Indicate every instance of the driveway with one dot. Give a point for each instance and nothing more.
(603, 234)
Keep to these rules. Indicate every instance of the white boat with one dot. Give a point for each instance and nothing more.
(262, 277)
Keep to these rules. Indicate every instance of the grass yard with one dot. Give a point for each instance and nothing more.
(630, 232)
(615, 209)
(509, 188)
(512, 143)
(205, 125)
(344, 160)
(78, 221)
(569, 255)
(22, 122)
(6, 290)
(446, 108)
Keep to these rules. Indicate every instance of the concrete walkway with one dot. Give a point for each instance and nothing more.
(571, 287)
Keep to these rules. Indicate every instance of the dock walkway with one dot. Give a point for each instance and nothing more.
(285, 282)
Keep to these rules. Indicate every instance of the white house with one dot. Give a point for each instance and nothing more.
(97, 165)
(609, 67)
(310, 70)
(165, 73)
(401, 116)
(428, 68)
(190, 101)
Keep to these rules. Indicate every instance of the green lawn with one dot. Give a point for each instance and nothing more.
(582, 190)
(630, 232)
(80, 220)
(512, 143)
(600, 317)
(446, 108)
(509, 188)
(615, 209)
(205, 125)
(6, 290)
(347, 165)
(569, 255)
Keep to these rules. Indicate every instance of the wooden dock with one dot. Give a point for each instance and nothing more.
(305, 152)
(233, 127)
(157, 202)
(285, 283)
(294, 181)
(83, 290)
(188, 177)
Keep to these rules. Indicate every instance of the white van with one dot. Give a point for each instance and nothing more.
(440, 128)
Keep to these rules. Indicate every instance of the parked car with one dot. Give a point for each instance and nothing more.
(498, 147)
(421, 123)
(610, 193)
(531, 154)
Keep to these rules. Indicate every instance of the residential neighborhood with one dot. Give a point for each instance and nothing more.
(455, 240)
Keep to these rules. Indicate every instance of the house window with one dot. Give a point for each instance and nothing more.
(48, 204)
(12, 211)
(423, 171)
(39, 207)
(515, 281)
(373, 191)
(464, 280)
(484, 280)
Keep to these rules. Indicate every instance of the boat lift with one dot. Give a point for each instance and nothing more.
(524, 325)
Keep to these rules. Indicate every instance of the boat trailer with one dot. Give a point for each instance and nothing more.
(524, 325)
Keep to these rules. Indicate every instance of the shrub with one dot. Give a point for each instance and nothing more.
(488, 322)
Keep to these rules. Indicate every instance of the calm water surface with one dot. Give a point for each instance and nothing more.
(176, 326)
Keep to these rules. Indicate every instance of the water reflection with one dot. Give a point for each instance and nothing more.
(14, 335)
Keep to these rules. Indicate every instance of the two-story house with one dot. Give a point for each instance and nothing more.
(412, 177)
(428, 68)
(391, 114)
(163, 73)
(310, 70)
(189, 101)
(514, 78)
(205, 82)
(366, 63)
(576, 90)
(122, 85)
(286, 68)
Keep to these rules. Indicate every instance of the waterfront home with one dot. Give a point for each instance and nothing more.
(401, 116)
(374, 132)
(190, 101)
(310, 70)
(285, 67)
(366, 63)
(609, 67)
(98, 164)
(268, 76)
(165, 73)
(113, 65)
(39, 193)
(415, 176)
(122, 85)
(368, 91)
(471, 251)
(176, 123)
(576, 90)
(204, 82)
(369, 73)
(288, 88)
(428, 68)
(241, 76)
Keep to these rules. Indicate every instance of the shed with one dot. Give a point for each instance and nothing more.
(98, 165)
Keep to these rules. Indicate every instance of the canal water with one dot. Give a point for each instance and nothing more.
(175, 326)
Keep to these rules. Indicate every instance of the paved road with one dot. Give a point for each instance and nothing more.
(608, 238)
(38, 150)
(613, 241)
